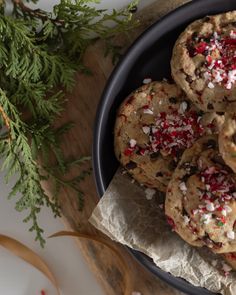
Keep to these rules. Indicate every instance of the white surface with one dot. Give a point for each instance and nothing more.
(61, 254)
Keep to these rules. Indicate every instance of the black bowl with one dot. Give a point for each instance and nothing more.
(149, 56)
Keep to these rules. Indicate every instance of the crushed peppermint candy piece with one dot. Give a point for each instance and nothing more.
(227, 208)
(230, 235)
(206, 218)
(132, 143)
(186, 220)
(211, 85)
(136, 293)
(220, 58)
(146, 129)
(148, 111)
(183, 107)
(183, 187)
(210, 207)
(147, 80)
(226, 267)
(149, 192)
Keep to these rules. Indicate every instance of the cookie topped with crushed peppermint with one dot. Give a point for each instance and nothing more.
(201, 198)
(204, 61)
(154, 125)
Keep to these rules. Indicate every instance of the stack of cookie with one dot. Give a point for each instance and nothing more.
(180, 138)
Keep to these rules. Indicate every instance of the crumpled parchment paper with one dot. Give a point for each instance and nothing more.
(127, 216)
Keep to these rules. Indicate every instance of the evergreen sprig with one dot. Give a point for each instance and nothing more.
(40, 52)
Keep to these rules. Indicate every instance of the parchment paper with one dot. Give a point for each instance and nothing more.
(127, 216)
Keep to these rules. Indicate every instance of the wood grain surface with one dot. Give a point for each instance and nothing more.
(81, 109)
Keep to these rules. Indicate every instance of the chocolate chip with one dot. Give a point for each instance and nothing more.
(234, 138)
(193, 170)
(206, 18)
(189, 79)
(172, 165)
(185, 178)
(200, 113)
(207, 240)
(197, 72)
(191, 50)
(179, 153)
(210, 144)
(195, 36)
(185, 165)
(184, 212)
(210, 106)
(159, 174)
(220, 113)
(173, 100)
(131, 165)
(154, 156)
(205, 52)
(218, 160)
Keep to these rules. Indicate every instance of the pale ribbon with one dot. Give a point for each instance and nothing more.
(26, 254)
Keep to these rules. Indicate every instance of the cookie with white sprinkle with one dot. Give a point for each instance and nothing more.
(227, 137)
(201, 198)
(154, 125)
(204, 61)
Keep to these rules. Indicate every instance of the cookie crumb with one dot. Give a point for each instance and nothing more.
(230, 235)
(183, 187)
(150, 192)
(132, 143)
(147, 80)
(226, 269)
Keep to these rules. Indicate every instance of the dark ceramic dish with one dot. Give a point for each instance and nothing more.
(149, 56)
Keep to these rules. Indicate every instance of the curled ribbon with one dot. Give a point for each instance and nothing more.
(26, 254)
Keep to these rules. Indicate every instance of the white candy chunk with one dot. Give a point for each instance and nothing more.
(227, 208)
(224, 212)
(230, 235)
(149, 192)
(210, 207)
(226, 267)
(211, 85)
(147, 80)
(136, 293)
(183, 187)
(186, 220)
(132, 143)
(146, 129)
(206, 218)
(183, 107)
(148, 111)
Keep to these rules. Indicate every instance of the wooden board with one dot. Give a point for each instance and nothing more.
(81, 109)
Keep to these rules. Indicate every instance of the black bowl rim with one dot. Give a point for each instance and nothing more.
(134, 50)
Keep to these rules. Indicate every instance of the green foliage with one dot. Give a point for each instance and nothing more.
(40, 52)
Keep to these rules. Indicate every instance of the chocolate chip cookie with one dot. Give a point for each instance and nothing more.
(204, 61)
(154, 125)
(201, 198)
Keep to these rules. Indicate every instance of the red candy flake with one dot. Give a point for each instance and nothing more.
(220, 57)
(201, 47)
(170, 221)
(175, 131)
(43, 292)
(128, 151)
(220, 188)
